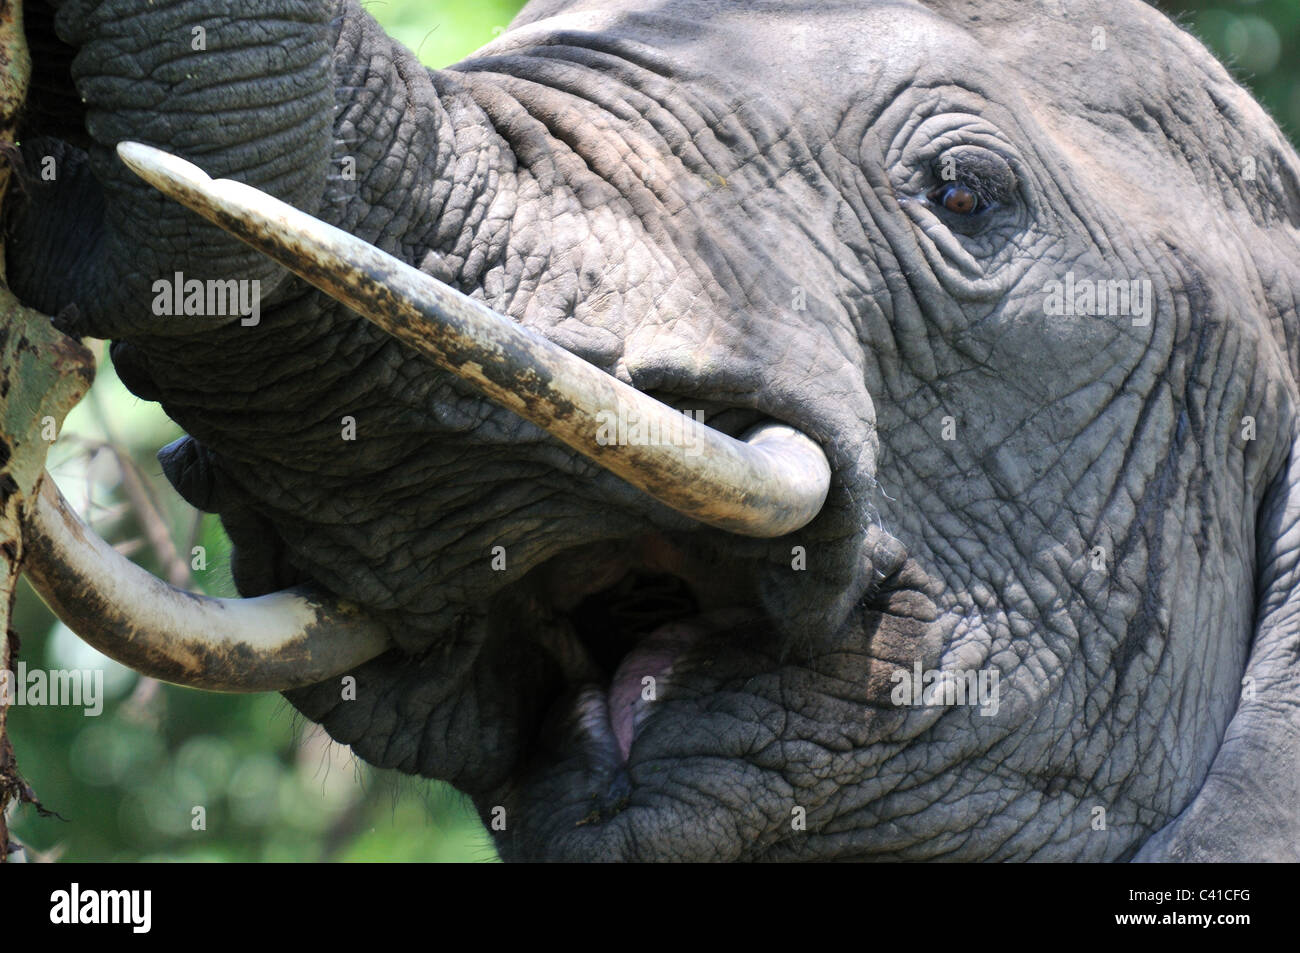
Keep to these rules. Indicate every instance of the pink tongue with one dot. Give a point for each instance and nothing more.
(631, 698)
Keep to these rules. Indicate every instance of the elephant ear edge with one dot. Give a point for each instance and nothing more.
(1247, 808)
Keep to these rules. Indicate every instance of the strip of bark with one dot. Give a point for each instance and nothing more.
(43, 373)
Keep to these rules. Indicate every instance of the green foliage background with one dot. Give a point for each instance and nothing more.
(1260, 41)
(273, 787)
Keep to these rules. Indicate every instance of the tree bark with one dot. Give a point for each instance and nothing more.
(43, 373)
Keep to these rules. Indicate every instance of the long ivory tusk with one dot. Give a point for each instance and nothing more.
(772, 482)
(269, 643)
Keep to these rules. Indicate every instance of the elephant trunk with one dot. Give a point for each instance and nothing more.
(254, 102)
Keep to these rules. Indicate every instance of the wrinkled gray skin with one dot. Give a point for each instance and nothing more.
(658, 186)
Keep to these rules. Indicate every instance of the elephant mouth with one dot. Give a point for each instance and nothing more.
(622, 621)
(680, 686)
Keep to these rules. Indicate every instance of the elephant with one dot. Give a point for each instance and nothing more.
(968, 528)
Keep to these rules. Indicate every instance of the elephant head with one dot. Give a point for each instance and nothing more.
(1026, 276)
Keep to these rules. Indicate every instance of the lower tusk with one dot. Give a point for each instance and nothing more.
(270, 643)
(770, 484)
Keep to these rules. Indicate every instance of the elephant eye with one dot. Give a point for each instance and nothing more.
(956, 199)
(970, 181)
